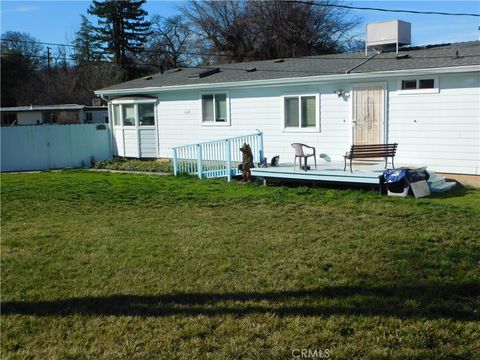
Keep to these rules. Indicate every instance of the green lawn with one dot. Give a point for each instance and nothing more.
(100, 265)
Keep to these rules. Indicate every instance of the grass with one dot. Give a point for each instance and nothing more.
(103, 265)
(119, 163)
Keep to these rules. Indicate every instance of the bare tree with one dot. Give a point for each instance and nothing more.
(258, 30)
(20, 43)
(171, 43)
(223, 27)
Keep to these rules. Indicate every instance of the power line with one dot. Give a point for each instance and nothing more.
(37, 42)
(383, 10)
(145, 50)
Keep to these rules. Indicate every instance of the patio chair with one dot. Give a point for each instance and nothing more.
(300, 153)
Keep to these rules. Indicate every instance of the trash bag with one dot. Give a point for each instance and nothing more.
(396, 181)
(415, 175)
(394, 176)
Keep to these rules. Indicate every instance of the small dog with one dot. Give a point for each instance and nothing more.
(247, 162)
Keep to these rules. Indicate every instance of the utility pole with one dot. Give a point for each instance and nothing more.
(48, 59)
(48, 69)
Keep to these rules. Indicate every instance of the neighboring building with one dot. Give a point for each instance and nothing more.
(426, 99)
(54, 114)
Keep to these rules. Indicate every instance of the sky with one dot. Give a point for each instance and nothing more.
(57, 21)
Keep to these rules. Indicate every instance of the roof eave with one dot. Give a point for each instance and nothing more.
(291, 81)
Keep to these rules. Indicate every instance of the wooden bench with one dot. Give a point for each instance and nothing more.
(370, 151)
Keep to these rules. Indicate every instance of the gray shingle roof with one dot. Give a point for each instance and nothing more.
(433, 56)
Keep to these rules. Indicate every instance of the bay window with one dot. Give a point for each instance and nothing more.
(132, 114)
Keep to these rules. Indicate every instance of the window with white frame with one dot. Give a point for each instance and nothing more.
(301, 112)
(215, 108)
(146, 114)
(131, 114)
(116, 115)
(128, 115)
(419, 85)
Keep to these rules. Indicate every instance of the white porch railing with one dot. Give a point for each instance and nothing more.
(217, 158)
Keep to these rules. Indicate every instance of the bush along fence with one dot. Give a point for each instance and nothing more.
(217, 158)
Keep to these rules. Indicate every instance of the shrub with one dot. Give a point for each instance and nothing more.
(119, 163)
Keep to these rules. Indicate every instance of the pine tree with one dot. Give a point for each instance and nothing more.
(86, 47)
(121, 27)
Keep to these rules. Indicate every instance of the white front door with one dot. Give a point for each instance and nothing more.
(368, 114)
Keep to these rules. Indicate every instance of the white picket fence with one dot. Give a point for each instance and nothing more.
(43, 147)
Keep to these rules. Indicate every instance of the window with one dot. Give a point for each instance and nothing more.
(420, 85)
(67, 117)
(409, 84)
(291, 112)
(129, 112)
(49, 117)
(426, 84)
(146, 114)
(128, 115)
(214, 108)
(88, 117)
(116, 115)
(300, 112)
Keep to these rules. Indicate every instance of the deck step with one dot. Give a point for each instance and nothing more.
(447, 185)
(436, 180)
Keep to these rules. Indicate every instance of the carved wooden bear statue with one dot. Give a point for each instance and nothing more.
(247, 162)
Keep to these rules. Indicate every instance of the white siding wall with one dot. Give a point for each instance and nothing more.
(131, 142)
(148, 143)
(439, 130)
(179, 119)
(29, 118)
(118, 145)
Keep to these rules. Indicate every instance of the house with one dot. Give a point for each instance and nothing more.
(53, 114)
(426, 99)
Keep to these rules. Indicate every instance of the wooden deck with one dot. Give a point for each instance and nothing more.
(331, 173)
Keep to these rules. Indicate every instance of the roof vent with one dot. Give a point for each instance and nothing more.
(278, 60)
(96, 102)
(147, 78)
(403, 56)
(177, 69)
(205, 73)
(381, 35)
(251, 69)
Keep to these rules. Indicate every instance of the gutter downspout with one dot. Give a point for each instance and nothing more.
(363, 62)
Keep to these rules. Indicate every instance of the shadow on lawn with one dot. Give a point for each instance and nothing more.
(452, 301)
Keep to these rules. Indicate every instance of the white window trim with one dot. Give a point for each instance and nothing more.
(214, 122)
(434, 90)
(300, 129)
(121, 102)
